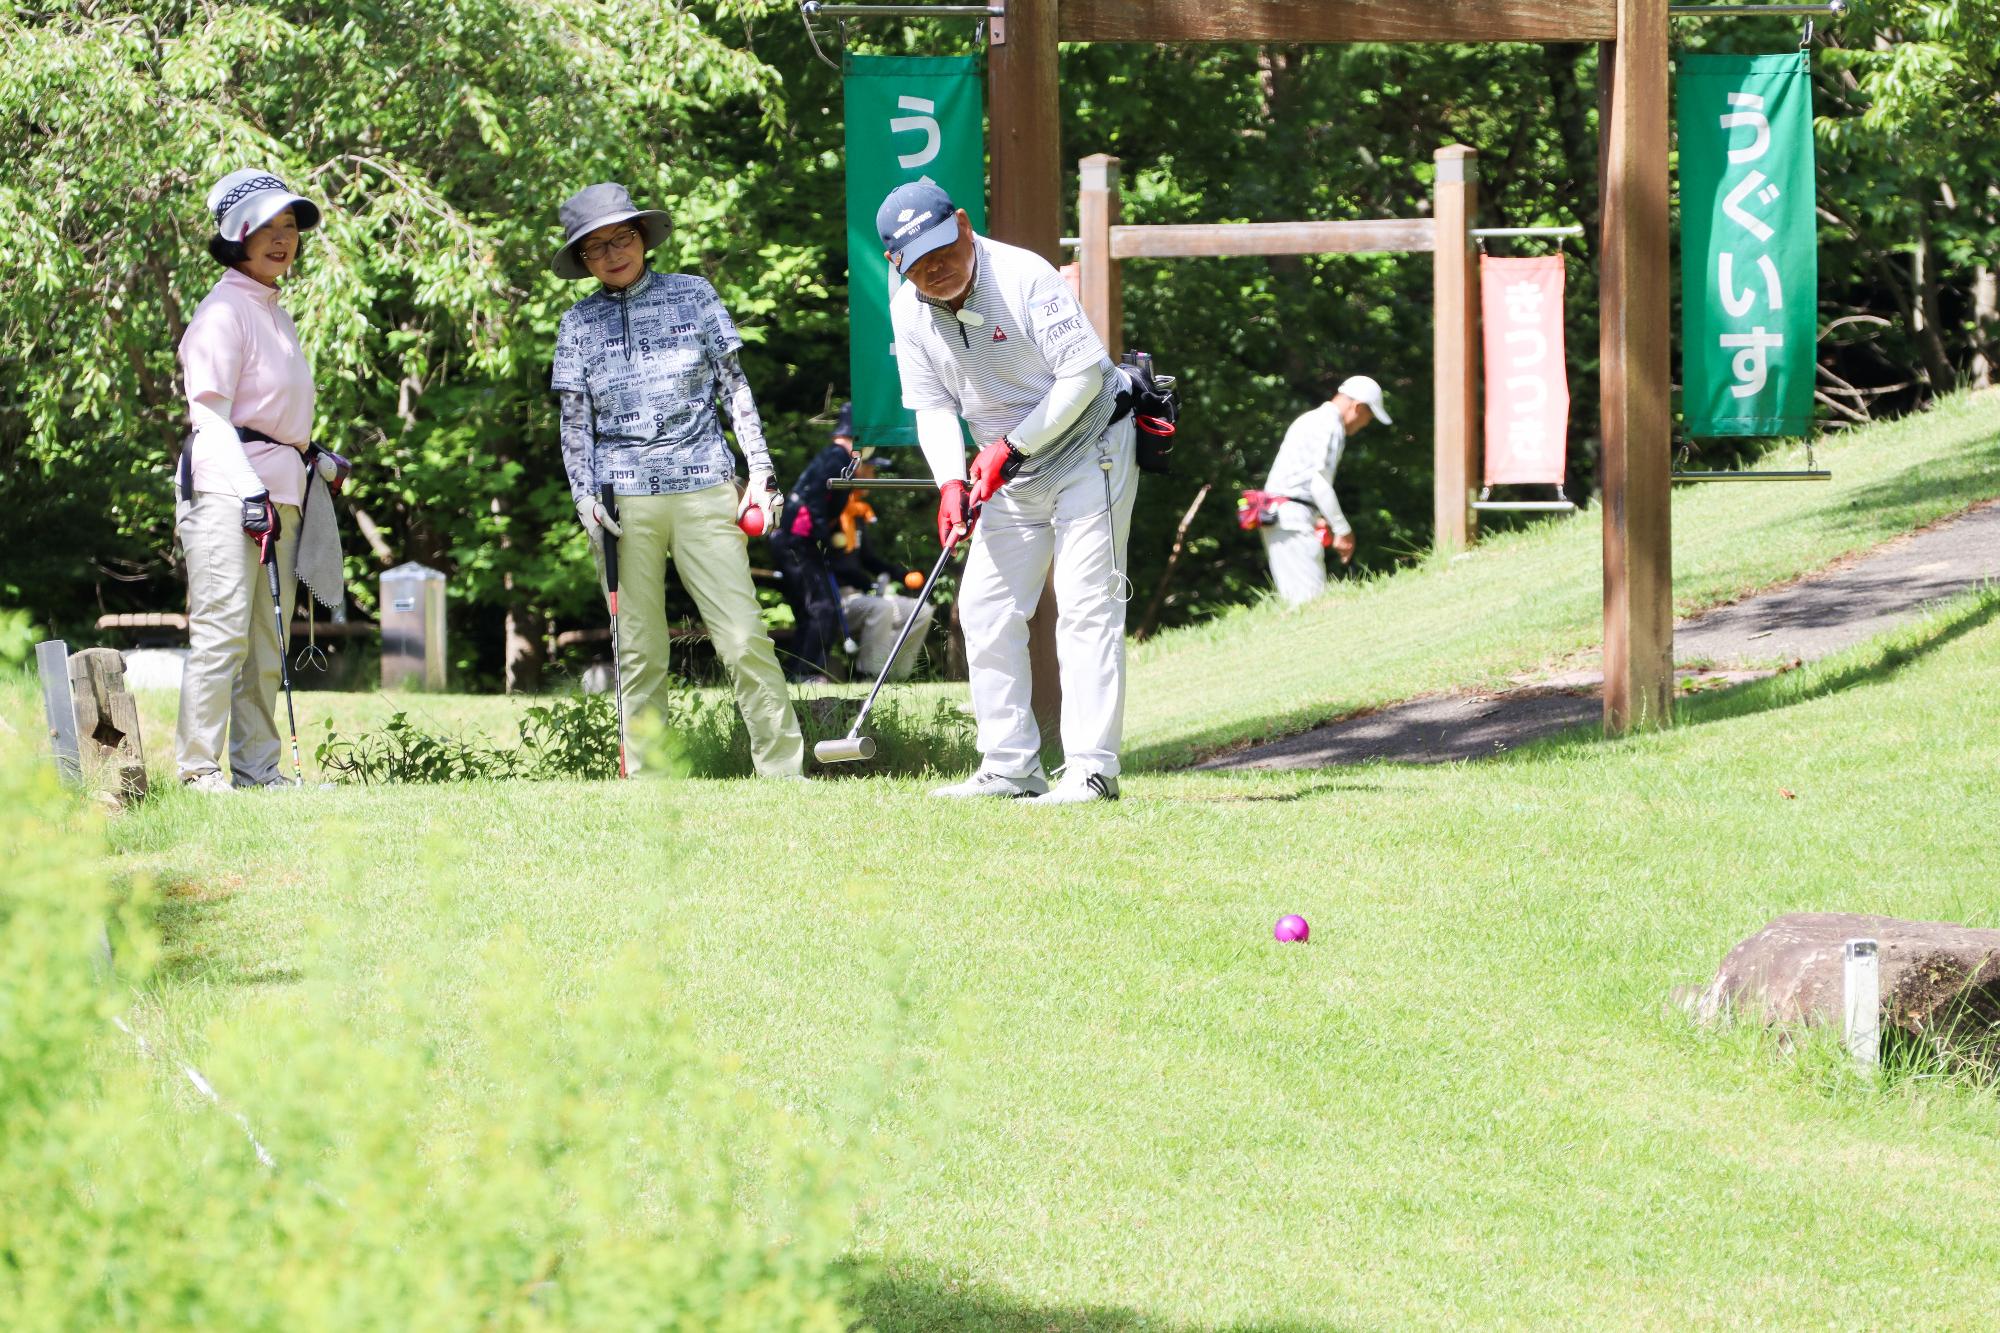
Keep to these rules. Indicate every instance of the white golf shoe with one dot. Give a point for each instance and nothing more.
(988, 783)
(1079, 788)
(211, 783)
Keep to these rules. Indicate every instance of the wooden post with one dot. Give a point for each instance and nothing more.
(107, 723)
(1024, 117)
(1455, 349)
(1102, 276)
(1024, 208)
(1634, 360)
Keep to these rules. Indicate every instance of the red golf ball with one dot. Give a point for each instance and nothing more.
(1291, 929)
(752, 521)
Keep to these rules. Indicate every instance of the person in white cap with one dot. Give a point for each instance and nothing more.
(640, 367)
(241, 481)
(1303, 474)
(991, 334)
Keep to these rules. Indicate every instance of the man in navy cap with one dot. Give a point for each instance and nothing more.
(991, 334)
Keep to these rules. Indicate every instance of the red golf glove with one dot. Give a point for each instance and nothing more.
(992, 468)
(952, 511)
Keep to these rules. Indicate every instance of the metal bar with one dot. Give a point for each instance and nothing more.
(1070, 242)
(1480, 233)
(59, 708)
(1525, 506)
(1834, 7)
(814, 9)
(1753, 476)
(881, 484)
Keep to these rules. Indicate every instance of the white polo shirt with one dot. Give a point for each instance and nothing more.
(1304, 470)
(995, 360)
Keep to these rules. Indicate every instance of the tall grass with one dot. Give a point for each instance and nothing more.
(570, 1157)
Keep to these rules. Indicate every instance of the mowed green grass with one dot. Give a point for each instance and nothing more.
(1522, 600)
(1465, 1101)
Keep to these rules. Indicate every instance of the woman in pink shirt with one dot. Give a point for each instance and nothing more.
(241, 480)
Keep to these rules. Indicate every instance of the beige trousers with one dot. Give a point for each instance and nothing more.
(697, 531)
(231, 683)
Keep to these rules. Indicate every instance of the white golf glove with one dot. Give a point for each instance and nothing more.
(762, 492)
(591, 514)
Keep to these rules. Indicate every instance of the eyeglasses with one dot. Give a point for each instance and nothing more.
(596, 250)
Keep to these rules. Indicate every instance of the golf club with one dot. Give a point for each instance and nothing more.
(608, 501)
(854, 747)
(267, 550)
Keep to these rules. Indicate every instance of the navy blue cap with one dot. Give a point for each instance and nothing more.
(914, 220)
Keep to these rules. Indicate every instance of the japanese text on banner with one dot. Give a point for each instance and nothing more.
(908, 118)
(1749, 263)
(1527, 385)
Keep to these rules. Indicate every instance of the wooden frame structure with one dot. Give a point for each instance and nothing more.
(1026, 210)
(1104, 244)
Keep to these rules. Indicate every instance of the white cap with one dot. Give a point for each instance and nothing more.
(1367, 392)
(245, 200)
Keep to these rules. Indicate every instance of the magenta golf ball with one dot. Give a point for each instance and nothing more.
(1291, 929)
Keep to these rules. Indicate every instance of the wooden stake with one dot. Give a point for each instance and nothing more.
(1455, 349)
(1100, 273)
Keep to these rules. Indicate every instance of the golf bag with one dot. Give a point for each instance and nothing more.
(1150, 400)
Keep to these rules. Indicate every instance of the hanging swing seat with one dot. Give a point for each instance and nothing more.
(1486, 504)
(1809, 472)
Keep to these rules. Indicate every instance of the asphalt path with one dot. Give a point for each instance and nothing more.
(1836, 608)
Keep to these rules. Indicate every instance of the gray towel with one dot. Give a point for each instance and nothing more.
(318, 560)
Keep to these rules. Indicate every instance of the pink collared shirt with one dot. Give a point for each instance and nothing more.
(241, 346)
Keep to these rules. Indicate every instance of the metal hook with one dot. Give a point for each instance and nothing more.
(806, 17)
(1805, 39)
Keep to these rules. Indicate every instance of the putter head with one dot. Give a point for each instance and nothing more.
(846, 750)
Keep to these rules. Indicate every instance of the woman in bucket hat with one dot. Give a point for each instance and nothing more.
(241, 482)
(639, 367)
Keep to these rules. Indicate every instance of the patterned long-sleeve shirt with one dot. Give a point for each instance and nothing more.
(640, 374)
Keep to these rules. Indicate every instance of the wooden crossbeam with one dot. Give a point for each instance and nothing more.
(1210, 240)
(1337, 20)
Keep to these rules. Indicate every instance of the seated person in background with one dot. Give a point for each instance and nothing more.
(804, 560)
(874, 609)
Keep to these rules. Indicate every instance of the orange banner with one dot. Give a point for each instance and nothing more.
(1527, 385)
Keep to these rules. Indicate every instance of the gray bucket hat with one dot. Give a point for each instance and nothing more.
(601, 205)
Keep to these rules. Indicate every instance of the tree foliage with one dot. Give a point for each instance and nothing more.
(442, 133)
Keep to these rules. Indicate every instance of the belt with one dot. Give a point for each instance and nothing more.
(242, 432)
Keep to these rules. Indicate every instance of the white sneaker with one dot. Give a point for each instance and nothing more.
(211, 783)
(988, 783)
(1077, 788)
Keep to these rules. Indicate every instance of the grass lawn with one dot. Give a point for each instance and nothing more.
(1522, 600)
(1120, 1105)
(1466, 1100)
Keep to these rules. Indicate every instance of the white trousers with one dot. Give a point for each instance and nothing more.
(230, 686)
(1066, 523)
(876, 621)
(1298, 562)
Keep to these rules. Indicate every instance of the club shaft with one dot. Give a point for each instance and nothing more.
(284, 652)
(924, 595)
(607, 499)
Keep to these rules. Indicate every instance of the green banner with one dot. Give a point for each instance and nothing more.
(908, 118)
(1749, 237)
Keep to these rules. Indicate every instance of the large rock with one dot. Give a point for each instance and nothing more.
(1940, 982)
